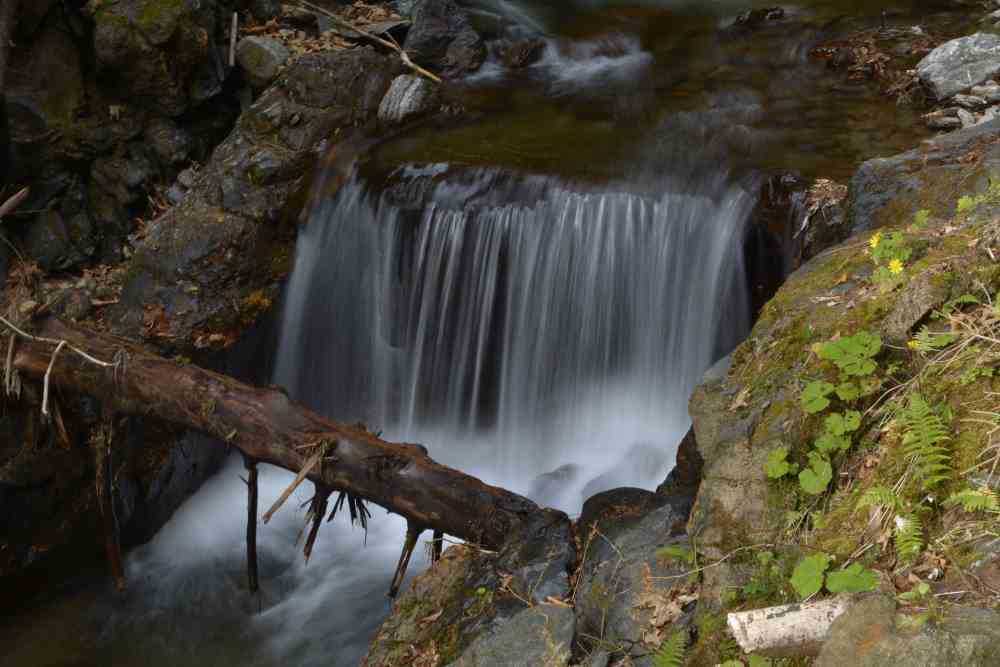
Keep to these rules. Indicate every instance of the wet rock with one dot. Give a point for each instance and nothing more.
(867, 635)
(756, 17)
(966, 118)
(890, 190)
(545, 489)
(171, 143)
(59, 243)
(261, 59)
(442, 39)
(538, 558)
(205, 259)
(685, 478)
(133, 40)
(541, 635)
(265, 10)
(118, 192)
(946, 123)
(958, 65)
(641, 461)
(409, 97)
(522, 53)
(629, 593)
(917, 298)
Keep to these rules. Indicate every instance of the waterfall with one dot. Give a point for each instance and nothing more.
(516, 324)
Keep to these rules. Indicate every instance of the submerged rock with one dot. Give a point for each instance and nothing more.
(958, 65)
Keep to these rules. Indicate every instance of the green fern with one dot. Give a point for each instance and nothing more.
(909, 538)
(880, 496)
(975, 500)
(929, 341)
(923, 442)
(671, 652)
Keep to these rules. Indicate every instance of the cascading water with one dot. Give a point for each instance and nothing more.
(516, 324)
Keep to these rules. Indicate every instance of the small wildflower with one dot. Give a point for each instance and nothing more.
(875, 240)
(895, 267)
(912, 344)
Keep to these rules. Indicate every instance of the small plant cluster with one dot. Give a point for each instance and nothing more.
(854, 358)
(890, 253)
(811, 574)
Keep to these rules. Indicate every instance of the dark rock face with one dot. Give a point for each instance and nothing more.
(409, 97)
(442, 39)
(685, 478)
(159, 52)
(522, 53)
(629, 594)
(756, 17)
(213, 262)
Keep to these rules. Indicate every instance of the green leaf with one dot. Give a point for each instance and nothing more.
(853, 355)
(817, 476)
(848, 391)
(671, 652)
(758, 661)
(829, 443)
(854, 579)
(841, 424)
(777, 465)
(807, 579)
(814, 396)
(966, 204)
(676, 552)
(921, 217)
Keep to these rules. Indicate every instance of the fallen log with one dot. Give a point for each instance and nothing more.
(270, 428)
(787, 630)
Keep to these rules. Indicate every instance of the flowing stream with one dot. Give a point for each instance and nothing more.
(533, 296)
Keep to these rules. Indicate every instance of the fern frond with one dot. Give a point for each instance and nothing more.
(924, 441)
(879, 496)
(928, 341)
(909, 538)
(975, 500)
(671, 652)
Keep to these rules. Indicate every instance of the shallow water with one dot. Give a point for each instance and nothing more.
(537, 284)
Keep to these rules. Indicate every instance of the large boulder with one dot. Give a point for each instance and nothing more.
(958, 65)
(211, 265)
(868, 635)
(261, 59)
(442, 39)
(886, 191)
(631, 594)
(159, 54)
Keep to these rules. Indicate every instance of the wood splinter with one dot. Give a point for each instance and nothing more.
(413, 532)
(252, 580)
(101, 443)
(317, 512)
(437, 546)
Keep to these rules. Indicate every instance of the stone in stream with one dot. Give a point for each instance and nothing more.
(409, 97)
(442, 39)
(958, 65)
(261, 59)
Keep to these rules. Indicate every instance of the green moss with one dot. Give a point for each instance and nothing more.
(157, 14)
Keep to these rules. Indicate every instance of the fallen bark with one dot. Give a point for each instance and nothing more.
(269, 428)
(786, 630)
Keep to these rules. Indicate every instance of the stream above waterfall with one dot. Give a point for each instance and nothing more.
(531, 289)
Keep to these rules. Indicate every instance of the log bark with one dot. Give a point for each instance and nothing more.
(787, 630)
(270, 428)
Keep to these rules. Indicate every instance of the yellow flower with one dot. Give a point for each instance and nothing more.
(895, 267)
(875, 240)
(912, 344)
